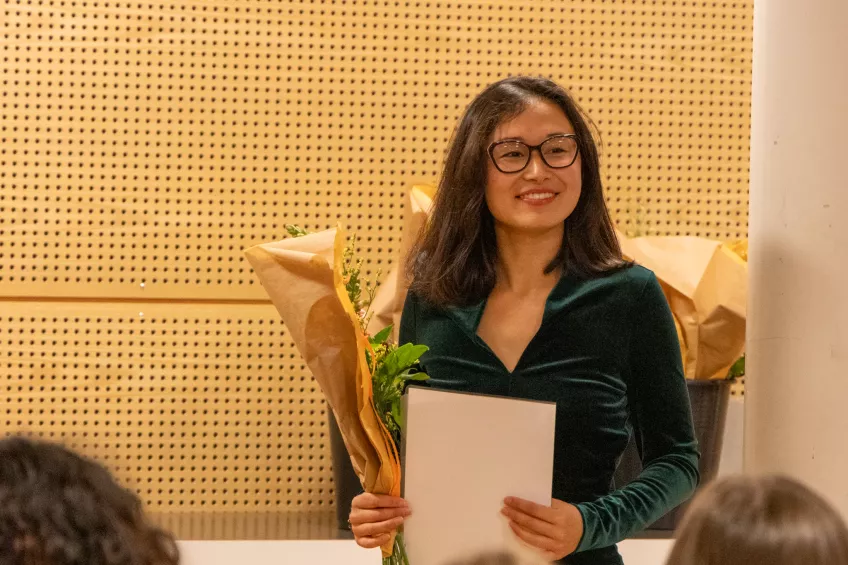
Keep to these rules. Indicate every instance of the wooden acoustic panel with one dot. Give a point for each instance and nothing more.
(194, 406)
(143, 146)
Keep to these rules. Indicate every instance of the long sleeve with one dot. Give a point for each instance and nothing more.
(662, 421)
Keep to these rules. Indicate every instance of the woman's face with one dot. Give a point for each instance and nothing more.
(537, 198)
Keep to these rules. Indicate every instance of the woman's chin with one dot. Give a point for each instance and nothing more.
(535, 226)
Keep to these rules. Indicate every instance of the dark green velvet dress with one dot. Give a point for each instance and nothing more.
(607, 353)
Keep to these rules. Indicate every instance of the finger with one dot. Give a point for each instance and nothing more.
(531, 523)
(534, 540)
(377, 528)
(369, 500)
(359, 516)
(372, 542)
(537, 510)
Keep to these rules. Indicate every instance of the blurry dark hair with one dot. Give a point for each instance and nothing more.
(746, 520)
(497, 558)
(453, 262)
(57, 508)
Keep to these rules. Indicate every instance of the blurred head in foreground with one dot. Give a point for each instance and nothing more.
(770, 520)
(501, 558)
(57, 508)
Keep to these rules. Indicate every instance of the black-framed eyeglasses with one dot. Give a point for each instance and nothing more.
(512, 155)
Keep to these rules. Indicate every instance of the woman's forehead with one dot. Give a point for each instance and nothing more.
(538, 121)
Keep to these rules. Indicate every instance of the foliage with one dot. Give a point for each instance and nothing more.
(738, 369)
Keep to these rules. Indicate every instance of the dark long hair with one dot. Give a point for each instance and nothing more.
(57, 508)
(453, 262)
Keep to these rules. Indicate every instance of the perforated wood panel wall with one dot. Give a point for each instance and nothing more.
(143, 145)
(199, 405)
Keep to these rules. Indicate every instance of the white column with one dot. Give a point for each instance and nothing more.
(797, 384)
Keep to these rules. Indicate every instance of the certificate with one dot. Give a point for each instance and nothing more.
(462, 455)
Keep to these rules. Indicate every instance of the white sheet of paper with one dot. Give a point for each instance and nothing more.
(463, 454)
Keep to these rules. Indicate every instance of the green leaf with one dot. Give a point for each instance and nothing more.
(396, 412)
(296, 231)
(407, 355)
(738, 369)
(401, 359)
(390, 366)
(413, 375)
(381, 336)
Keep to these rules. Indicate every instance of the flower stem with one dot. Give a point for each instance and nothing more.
(398, 556)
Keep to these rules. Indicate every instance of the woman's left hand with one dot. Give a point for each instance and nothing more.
(556, 530)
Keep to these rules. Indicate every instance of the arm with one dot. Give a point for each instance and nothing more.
(662, 420)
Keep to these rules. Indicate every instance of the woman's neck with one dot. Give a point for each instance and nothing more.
(524, 256)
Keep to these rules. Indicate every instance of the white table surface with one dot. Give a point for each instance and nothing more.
(635, 552)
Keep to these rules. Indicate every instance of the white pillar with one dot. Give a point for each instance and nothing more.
(797, 384)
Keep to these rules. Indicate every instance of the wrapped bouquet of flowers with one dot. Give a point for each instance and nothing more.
(315, 282)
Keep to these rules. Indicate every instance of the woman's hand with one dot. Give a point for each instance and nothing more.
(555, 530)
(373, 518)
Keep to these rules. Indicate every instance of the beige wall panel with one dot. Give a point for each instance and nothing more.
(143, 146)
(194, 406)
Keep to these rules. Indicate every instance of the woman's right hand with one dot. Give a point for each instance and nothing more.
(373, 518)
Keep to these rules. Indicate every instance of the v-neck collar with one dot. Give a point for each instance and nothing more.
(468, 318)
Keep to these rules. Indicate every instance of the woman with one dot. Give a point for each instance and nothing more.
(774, 520)
(519, 289)
(57, 508)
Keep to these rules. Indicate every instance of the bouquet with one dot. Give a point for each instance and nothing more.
(315, 282)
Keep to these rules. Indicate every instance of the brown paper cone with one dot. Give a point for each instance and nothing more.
(383, 305)
(303, 277)
(705, 283)
(388, 302)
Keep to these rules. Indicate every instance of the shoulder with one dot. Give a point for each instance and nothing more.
(632, 286)
(632, 279)
(642, 292)
(640, 276)
(422, 307)
(413, 299)
(418, 306)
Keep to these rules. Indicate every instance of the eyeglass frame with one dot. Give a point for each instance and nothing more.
(532, 148)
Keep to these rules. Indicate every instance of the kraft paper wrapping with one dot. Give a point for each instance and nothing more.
(705, 283)
(303, 278)
(388, 302)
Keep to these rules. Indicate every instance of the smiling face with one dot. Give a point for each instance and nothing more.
(538, 198)
(477, 208)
